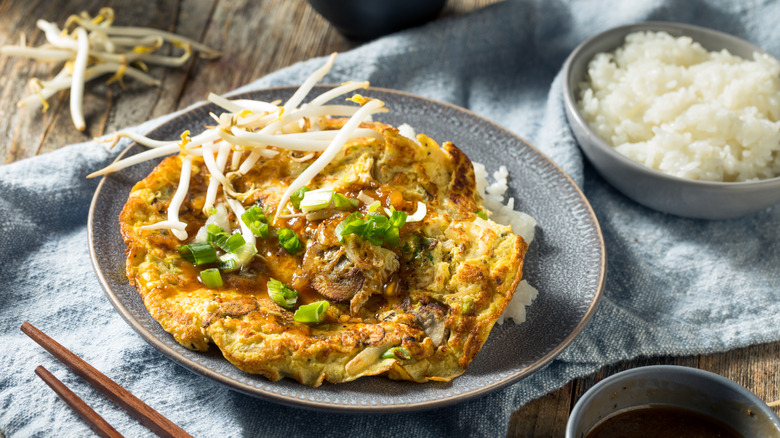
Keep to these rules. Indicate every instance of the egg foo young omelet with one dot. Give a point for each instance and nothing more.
(319, 248)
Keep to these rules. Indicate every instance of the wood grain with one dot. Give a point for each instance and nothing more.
(256, 38)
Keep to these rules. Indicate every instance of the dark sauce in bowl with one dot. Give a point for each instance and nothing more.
(661, 422)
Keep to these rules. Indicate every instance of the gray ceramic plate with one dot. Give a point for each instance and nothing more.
(566, 262)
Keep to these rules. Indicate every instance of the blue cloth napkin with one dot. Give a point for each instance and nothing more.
(674, 286)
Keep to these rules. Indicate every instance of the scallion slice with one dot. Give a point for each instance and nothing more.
(297, 196)
(342, 202)
(353, 224)
(481, 214)
(198, 253)
(228, 262)
(245, 253)
(396, 353)
(255, 219)
(314, 200)
(282, 294)
(289, 240)
(217, 236)
(211, 278)
(314, 312)
(234, 242)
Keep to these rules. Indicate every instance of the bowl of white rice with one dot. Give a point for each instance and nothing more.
(679, 118)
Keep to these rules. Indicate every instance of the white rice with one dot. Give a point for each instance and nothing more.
(501, 212)
(673, 106)
(521, 223)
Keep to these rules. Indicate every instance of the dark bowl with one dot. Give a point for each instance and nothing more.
(369, 19)
(678, 387)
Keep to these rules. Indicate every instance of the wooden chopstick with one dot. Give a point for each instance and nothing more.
(92, 418)
(116, 393)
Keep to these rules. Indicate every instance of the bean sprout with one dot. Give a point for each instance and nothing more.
(264, 130)
(91, 47)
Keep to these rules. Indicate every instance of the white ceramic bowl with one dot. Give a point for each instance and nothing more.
(649, 187)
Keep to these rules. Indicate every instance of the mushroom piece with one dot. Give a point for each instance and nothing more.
(340, 283)
(331, 273)
(431, 318)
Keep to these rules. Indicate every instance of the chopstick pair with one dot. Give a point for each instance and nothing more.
(116, 393)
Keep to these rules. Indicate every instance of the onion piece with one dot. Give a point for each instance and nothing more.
(418, 215)
(314, 200)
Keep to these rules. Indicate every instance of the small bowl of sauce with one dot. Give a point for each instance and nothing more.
(670, 401)
(661, 422)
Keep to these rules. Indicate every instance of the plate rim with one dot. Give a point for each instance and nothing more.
(493, 386)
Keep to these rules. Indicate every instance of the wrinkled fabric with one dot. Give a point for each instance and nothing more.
(674, 286)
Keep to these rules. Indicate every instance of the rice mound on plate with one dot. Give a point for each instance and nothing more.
(503, 213)
(671, 105)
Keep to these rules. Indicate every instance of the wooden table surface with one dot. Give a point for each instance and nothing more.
(256, 38)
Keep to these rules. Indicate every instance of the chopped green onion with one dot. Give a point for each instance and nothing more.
(217, 236)
(297, 196)
(396, 353)
(314, 312)
(282, 294)
(481, 214)
(352, 224)
(245, 253)
(211, 278)
(224, 241)
(375, 228)
(234, 242)
(198, 253)
(255, 219)
(342, 202)
(228, 262)
(392, 237)
(289, 240)
(397, 218)
(212, 211)
(316, 200)
(374, 206)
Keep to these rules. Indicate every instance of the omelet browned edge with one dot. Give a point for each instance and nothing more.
(440, 312)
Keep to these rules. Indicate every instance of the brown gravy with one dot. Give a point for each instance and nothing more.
(661, 422)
